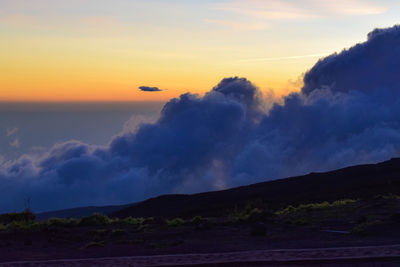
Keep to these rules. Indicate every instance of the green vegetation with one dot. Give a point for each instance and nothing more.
(61, 222)
(365, 227)
(97, 219)
(197, 220)
(23, 226)
(314, 206)
(24, 221)
(175, 222)
(25, 216)
(133, 221)
(386, 197)
(247, 214)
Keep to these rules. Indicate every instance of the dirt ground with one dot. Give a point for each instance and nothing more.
(345, 256)
(100, 242)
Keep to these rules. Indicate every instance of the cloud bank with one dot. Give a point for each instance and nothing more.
(149, 89)
(348, 112)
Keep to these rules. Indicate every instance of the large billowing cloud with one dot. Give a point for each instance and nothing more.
(364, 67)
(348, 112)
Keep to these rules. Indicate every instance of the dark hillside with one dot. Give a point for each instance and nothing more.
(363, 181)
(79, 212)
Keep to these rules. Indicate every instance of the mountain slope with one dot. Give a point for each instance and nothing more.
(79, 212)
(361, 181)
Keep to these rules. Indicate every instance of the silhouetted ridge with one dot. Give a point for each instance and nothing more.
(362, 181)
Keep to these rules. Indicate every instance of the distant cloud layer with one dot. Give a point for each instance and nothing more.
(348, 112)
(287, 9)
(258, 14)
(149, 89)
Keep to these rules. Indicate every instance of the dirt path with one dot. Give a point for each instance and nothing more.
(347, 255)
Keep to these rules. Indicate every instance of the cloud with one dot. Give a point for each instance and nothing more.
(362, 68)
(11, 131)
(294, 10)
(16, 143)
(283, 58)
(240, 25)
(149, 89)
(348, 112)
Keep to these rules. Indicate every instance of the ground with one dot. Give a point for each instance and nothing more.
(345, 223)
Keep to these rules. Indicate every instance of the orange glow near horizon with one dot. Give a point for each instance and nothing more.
(74, 51)
(55, 70)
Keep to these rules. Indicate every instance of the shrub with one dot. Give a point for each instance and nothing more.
(248, 214)
(22, 226)
(197, 220)
(314, 206)
(61, 222)
(73, 222)
(386, 197)
(364, 228)
(25, 216)
(175, 222)
(253, 215)
(133, 221)
(97, 219)
(359, 229)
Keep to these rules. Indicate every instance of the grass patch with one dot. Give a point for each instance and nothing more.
(386, 197)
(197, 220)
(175, 222)
(364, 228)
(97, 219)
(247, 214)
(23, 226)
(133, 221)
(315, 206)
(62, 222)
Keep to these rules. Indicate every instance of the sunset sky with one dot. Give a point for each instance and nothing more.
(98, 50)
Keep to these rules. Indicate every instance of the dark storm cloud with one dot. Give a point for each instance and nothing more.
(347, 113)
(364, 67)
(149, 89)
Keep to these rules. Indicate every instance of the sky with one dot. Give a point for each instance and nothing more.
(98, 50)
(112, 102)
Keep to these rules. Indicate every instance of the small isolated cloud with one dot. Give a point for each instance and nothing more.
(16, 143)
(149, 89)
(11, 131)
